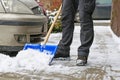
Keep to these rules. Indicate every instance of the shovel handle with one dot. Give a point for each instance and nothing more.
(52, 25)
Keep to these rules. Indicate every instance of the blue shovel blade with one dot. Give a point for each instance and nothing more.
(49, 48)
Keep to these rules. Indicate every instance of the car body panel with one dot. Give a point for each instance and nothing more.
(29, 3)
(22, 17)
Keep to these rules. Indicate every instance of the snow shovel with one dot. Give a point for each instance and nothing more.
(50, 49)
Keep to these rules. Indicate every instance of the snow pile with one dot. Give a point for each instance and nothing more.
(26, 59)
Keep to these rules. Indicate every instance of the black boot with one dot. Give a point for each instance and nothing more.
(58, 55)
(62, 56)
(81, 61)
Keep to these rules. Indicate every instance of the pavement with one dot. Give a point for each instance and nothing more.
(103, 61)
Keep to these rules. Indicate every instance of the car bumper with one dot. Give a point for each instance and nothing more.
(16, 30)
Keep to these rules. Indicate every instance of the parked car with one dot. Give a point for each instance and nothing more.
(102, 10)
(21, 21)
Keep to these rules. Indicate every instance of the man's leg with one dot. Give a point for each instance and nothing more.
(68, 13)
(86, 8)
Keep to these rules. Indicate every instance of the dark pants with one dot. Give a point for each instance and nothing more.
(86, 8)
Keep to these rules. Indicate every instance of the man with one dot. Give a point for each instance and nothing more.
(69, 8)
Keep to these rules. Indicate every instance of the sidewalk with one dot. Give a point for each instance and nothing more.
(103, 61)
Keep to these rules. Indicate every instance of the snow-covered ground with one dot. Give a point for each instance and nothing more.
(103, 61)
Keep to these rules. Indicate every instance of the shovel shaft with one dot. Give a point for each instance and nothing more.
(51, 27)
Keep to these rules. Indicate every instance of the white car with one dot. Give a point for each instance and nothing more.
(21, 21)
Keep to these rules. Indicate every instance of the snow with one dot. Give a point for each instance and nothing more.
(103, 60)
(26, 59)
(102, 21)
(116, 38)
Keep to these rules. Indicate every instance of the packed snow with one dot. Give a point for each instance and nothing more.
(103, 61)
